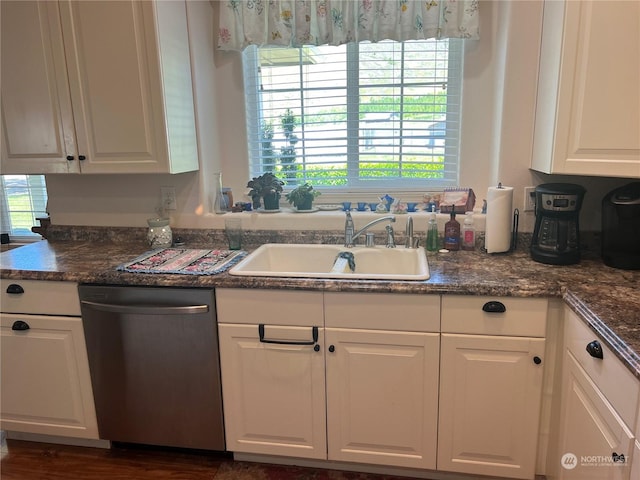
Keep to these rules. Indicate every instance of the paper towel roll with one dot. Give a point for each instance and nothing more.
(497, 235)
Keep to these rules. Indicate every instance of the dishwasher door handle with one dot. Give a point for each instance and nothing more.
(146, 309)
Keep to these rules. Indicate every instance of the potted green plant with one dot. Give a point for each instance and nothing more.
(268, 187)
(302, 197)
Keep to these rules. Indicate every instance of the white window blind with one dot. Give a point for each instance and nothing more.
(356, 116)
(23, 199)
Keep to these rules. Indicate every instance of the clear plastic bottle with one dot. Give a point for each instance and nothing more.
(468, 233)
(432, 234)
(220, 204)
(452, 233)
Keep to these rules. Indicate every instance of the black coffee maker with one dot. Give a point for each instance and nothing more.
(556, 235)
(621, 227)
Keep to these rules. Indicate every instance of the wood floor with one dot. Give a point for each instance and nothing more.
(43, 461)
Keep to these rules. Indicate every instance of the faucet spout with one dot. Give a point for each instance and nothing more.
(350, 235)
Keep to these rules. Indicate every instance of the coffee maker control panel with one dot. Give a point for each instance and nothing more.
(559, 203)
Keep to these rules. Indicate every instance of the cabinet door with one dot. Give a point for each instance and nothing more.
(587, 119)
(591, 430)
(490, 394)
(112, 75)
(635, 465)
(46, 387)
(382, 400)
(130, 81)
(37, 121)
(274, 394)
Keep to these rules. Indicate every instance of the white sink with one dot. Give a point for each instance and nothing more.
(317, 261)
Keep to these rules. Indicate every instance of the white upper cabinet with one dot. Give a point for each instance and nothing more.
(97, 87)
(587, 111)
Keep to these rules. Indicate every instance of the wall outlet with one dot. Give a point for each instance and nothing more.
(168, 198)
(529, 199)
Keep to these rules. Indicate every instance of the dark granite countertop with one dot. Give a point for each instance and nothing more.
(607, 299)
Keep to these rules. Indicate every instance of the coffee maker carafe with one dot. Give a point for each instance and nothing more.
(556, 235)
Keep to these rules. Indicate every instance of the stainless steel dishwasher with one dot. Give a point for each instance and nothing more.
(154, 363)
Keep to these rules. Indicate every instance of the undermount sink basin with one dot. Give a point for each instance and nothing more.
(317, 261)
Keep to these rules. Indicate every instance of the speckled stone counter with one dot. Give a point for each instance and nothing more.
(607, 299)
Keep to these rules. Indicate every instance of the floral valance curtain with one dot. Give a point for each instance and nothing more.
(334, 22)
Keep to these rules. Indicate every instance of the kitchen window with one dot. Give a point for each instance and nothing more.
(23, 200)
(357, 116)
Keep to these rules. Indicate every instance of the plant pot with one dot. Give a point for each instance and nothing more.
(306, 204)
(272, 201)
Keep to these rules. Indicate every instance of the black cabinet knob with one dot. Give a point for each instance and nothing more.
(494, 307)
(595, 349)
(537, 360)
(332, 348)
(81, 157)
(20, 325)
(316, 348)
(70, 157)
(15, 289)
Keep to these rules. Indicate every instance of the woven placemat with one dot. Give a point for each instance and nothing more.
(184, 261)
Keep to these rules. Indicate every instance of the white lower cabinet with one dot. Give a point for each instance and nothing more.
(635, 462)
(379, 379)
(382, 397)
(599, 403)
(593, 435)
(273, 393)
(46, 385)
(491, 385)
(381, 385)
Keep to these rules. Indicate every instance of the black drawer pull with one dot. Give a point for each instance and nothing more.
(314, 333)
(537, 360)
(70, 157)
(15, 289)
(20, 325)
(81, 157)
(595, 349)
(494, 307)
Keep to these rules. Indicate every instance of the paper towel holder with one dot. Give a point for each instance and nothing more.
(499, 219)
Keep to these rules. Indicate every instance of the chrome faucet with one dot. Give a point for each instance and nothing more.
(350, 234)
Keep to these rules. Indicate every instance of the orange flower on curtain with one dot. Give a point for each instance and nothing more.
(294, 23)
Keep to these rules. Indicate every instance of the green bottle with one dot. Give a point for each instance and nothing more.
(432, 234)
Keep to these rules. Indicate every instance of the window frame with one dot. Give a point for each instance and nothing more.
(38, 198)
(251, 59)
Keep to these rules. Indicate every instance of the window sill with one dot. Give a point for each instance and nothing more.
(287, 219)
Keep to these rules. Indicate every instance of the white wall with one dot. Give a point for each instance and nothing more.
(497, 126)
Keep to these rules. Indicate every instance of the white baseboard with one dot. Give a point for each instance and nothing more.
(355, 467)
(76, 442)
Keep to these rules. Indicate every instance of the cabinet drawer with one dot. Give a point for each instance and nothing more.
(522, 317)
(615, 381)
(50, 298)
(380, 311)
(269, 307)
